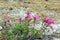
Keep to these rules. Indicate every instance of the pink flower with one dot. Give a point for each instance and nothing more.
(49, 20)
(29, 17)
(6, 20)
(20, 18)
(28, 13)
(36, 17)
(51, 27)
(46, 19)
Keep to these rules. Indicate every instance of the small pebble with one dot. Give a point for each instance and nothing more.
(46, 0)
(11, 8)
(0, 27)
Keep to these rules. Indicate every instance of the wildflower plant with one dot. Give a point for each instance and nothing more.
(22, 30)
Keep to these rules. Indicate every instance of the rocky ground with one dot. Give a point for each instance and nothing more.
(49, 8)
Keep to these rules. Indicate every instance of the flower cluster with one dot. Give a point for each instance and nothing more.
(30, 17)
(49, 20)
(22, 30)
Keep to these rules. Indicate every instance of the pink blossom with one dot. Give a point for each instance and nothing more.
(49, 20)
(20, 18)
(6, 20)
(29, 17)
(36, 17)
(46, 19)
(28, 13)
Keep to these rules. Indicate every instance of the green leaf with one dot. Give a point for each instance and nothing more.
(33, 31)
(36, 33)
(11, 37)
(4, 32)
(10, 33)
(21, 37)
(26, 32)
(16, 29)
